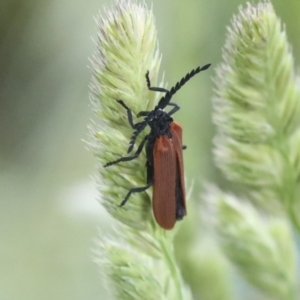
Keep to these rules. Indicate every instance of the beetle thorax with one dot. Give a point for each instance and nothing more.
(159, 122)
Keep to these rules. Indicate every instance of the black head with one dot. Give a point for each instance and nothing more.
(159, 121)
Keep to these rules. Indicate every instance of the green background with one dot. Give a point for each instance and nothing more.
(49, 217)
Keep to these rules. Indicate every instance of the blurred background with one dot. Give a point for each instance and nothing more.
(49, 216)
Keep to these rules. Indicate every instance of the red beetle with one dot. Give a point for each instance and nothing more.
(164, 155)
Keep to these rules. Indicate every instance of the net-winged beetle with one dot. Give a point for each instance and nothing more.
(164, 154)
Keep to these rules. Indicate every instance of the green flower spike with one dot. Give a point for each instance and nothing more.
(257, 111)
(257, 114)
(131, 273)
(126, 50)
(141, 265)
(261, 248)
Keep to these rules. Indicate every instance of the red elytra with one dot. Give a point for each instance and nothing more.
(168, 199)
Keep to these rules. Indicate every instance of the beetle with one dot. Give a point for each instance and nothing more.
(164, 156)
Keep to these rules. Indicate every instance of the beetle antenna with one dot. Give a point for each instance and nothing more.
(166, 99)
(187, 77)
(135, 134)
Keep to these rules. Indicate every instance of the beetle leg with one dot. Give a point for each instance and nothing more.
(152, 88)
(135, 190)
(129, 113)
(128, 158)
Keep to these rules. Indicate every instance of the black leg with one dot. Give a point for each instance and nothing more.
(128, 158)
(143, 113)
(174, 109)
(137, 125)
(135, 190)
(184, 147)
(155, 89)
(129, 113)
